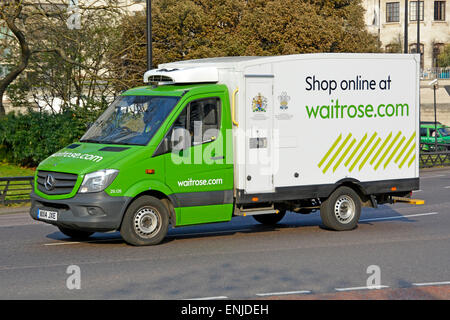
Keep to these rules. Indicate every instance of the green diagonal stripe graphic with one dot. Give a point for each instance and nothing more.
(405, 147)
(347, 151)
(362, 151)
(336, 153)
(331, 150)
(370, 152)
(394, 152)
(381, 148)
(407, 155)
(388, 149)
(356, 150)
(344, 154)
(412, 160)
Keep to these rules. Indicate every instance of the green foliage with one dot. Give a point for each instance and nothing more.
(27, 139)
(444, 57)
(106, 56)
(192, 29)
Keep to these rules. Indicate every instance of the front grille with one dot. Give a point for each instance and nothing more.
(58, 183)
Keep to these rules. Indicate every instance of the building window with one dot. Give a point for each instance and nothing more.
(393, 12)
(413, 11)
(437, 49)
(439, 11)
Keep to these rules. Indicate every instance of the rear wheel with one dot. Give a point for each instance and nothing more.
(270, 219)
(75, 234)
(146, 222)
(341, 211)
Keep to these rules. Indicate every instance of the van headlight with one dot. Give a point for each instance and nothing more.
(98, 181)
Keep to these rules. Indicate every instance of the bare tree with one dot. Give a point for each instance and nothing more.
(44, 39)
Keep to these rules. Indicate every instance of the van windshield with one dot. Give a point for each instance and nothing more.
(130, 120)
(445, 132)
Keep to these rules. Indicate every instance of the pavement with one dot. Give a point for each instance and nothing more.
(406, 246)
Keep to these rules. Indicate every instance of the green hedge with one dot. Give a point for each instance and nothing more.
(27, 139)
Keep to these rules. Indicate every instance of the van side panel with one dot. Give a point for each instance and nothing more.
(339, 117)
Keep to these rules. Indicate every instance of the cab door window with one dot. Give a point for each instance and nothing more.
(198, 123)
(204, 120)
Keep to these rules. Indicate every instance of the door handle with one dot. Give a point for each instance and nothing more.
(233, 108)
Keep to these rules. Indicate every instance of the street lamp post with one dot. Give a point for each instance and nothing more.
(435, 118)
(406, 28)
(435, 85)
(149, 35)
(419, 51)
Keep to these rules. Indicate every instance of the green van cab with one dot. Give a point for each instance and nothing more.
(428, 135)
(133, 136)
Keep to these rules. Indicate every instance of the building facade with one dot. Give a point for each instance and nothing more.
(386, 18)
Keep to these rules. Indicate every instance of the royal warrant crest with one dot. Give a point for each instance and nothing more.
(259, 103)
(284, 100)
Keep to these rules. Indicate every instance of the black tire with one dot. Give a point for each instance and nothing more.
(341, 211)
(145, 222)
(75, 234)
(270, 219)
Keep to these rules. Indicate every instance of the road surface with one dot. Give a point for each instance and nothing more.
(298, 259)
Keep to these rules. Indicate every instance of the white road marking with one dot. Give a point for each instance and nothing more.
(435, 176)
(447, 187)
(361, 288)
(417, 190)
(282, 293)
(431, 283)
(78, 242)
(210, 298)
(400, 217)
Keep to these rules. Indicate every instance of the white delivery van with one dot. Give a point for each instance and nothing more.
(237, 136)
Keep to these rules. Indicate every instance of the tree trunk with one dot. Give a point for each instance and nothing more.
(25, 54)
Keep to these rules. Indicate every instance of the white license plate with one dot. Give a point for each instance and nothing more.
(47, 215)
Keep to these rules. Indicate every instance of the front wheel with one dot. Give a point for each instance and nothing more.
(341, 211)
(146, 222)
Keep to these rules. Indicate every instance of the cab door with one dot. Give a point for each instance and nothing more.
(198, 169)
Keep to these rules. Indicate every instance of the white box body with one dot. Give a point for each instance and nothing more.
(293, 127)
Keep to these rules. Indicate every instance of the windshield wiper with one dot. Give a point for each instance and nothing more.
(90, 140)
(122, 143)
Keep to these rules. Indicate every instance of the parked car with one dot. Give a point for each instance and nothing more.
(428, 135)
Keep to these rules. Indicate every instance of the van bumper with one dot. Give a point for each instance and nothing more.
(96, 212)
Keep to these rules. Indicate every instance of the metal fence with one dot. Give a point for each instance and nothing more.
(15, 189)
(435, 155)
(435, 73)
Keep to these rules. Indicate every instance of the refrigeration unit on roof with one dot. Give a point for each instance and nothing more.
(182, 75)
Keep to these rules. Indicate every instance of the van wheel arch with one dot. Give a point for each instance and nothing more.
(356, 186)
(159, 195)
